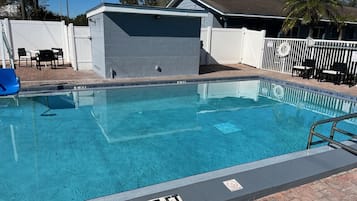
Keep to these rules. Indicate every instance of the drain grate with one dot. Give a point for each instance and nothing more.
(227, 128)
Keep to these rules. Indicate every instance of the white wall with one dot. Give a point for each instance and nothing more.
(35, 35)
(230, 46)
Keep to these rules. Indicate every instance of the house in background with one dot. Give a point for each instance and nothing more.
(137, 41)
(262, 15)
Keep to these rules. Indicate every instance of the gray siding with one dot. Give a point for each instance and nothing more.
(215, 22)
(135, 44)
(206, 21)
(97, 43)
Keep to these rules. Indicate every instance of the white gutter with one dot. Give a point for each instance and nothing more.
(256, 16)
(144, 11)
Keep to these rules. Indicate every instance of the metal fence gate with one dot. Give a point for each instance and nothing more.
(325, 52)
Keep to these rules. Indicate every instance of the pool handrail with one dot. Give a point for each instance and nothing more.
(330, 140)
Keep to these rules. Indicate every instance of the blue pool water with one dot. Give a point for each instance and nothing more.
(85, 144)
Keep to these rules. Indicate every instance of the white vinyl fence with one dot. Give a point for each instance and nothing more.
(229, 46)
(222, 45)
(253, 47)
(325, 52)
(36, 35)
(80, 46)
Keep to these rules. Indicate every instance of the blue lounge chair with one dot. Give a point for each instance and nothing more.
(9, 82)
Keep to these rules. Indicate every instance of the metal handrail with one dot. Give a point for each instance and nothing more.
(330, 140)
(9, 49)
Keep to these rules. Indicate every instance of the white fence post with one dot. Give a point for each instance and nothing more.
(208, 44)
(310, 43)
(346, 53)
(263, 32)
(244, 31)
(65, 41)
(72, 47)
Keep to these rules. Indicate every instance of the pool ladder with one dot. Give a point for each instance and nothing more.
(334, 128)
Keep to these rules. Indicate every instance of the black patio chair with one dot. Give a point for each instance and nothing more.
(58, 54)
(305, 70)
(336, 73)
(45, 56)
(22, 53)
(351, 78)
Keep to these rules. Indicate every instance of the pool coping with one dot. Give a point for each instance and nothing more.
(259, 178)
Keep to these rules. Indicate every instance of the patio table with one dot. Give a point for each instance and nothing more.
(37, 53)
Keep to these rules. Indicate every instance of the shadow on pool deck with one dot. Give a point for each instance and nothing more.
(340, 187)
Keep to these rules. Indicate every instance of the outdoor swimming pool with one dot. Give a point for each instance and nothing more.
(85, 144)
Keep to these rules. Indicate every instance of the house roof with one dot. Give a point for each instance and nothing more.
(250, 8)
(119, 8)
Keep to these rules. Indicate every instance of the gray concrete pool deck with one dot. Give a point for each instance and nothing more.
(31, 77)
(342, 186)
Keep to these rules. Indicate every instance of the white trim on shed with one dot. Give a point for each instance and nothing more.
(105, 8)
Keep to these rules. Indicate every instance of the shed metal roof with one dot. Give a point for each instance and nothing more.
(110, 7)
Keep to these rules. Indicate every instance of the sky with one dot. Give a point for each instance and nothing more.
(76, 7)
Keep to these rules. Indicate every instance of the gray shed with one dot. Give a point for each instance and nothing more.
(136, 41)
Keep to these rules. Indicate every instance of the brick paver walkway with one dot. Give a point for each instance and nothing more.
(339, 187)
(61, 73)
